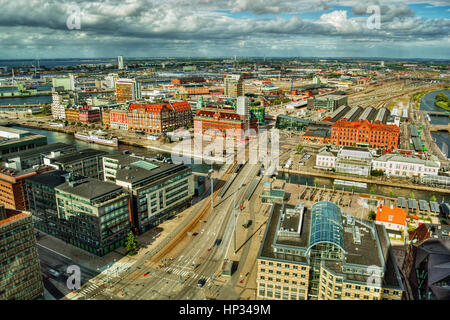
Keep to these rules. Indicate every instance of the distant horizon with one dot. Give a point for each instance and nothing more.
(336, 29)
(232, 58)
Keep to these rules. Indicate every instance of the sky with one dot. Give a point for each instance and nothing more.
(34, 29)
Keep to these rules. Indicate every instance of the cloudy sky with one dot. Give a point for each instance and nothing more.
(207, 28)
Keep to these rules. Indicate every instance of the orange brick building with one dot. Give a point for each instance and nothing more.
(373, 135)
(12, 186)
(223, 119)
(158, 117)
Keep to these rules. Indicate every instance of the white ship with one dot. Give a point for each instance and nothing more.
(99, 137)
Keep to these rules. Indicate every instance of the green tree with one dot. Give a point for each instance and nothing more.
(372, 215)
(433, 198)
(391, 194)
(441, 97)
(130, 244)
(372, 190)
(411, 195)
(299, 148)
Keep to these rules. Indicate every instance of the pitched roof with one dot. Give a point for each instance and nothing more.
(391, 215)
(158, 107)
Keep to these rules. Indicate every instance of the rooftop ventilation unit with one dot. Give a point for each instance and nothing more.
(356, 235)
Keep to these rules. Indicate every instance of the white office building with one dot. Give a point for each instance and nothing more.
(406, 165)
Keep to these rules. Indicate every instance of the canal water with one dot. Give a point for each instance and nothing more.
(54, 137)
(427, 104)
(376, 189)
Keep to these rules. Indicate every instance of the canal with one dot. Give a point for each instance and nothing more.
(369, 189)
(54, 137)
(442, 139)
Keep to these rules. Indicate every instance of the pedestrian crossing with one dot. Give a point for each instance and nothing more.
(184, 272)
(89, 289)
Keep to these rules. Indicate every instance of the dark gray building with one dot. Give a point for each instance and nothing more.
(28, 158)
(86, 162)
(159, 190)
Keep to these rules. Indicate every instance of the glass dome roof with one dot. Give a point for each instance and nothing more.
(326, 224)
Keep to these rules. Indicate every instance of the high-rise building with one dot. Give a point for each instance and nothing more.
(234, 85)
(158, 190)
(322, 254)
(20, 270)
(127, 90)
(91, 214)
(120, 62)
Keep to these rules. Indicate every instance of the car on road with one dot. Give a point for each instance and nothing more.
(306, 156)
(217, 242)
(54, 273)
(201, 283)
(301, 163)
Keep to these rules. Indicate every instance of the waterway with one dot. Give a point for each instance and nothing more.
(54, 137)
(427, 104)
(376, 189)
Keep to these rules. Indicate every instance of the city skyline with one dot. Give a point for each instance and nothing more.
(200, 28)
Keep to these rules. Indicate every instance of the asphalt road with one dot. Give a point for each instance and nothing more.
(177, 277)
(51, 260)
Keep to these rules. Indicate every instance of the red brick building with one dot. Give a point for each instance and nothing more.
(373, 135)
(158, 117)
(118, 118)
(223, 118)
(89, 116)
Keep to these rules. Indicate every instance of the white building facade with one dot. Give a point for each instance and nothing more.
(406, 166)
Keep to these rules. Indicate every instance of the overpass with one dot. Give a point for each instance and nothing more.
(440, 127)
(438, 113)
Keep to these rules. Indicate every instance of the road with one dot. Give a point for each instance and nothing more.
(189, 260)
(52, 260)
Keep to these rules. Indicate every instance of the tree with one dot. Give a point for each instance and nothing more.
(441, 97)
(372, 215)
(433, 198)
(372, 190)
(391, 194)
(411, 195)
(130, 244)
(299, 148)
